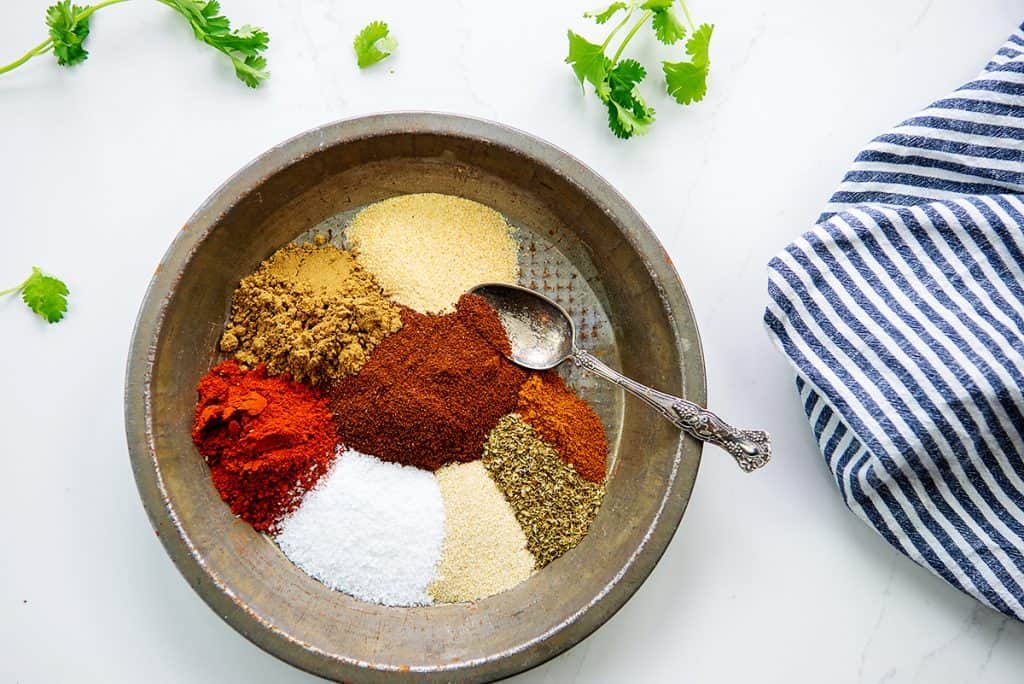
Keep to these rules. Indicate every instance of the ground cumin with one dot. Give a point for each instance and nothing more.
(311, 311)
(431, 392)
(565, 421)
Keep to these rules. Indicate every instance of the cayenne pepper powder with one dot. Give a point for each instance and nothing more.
(267, 440)
(432, 391)
(566, 422)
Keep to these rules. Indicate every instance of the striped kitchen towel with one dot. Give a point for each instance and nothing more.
(902, 311)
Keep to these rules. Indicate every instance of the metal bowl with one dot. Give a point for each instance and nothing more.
(625, 288)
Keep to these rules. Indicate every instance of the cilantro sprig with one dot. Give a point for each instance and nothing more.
(244, 46)
(373, 44)
(45, 295)
(616, 80)
(68, 26)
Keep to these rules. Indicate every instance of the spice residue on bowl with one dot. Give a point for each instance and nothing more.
(396, 455)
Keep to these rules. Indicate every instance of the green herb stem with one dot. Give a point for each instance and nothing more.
(693, 27)
(629, 36)
(16, 288)
(99, 5)
(40, 49)
(92, 8)
(604, 45)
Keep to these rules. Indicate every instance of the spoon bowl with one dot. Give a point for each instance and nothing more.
(540, 332)
(541, 335)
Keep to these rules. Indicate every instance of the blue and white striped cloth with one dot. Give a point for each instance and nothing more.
(902, 311)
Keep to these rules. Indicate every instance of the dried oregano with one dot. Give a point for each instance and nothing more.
(552, 503)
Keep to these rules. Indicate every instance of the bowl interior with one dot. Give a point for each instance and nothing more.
(584, 245)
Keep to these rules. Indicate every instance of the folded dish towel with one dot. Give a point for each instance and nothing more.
(902, 311)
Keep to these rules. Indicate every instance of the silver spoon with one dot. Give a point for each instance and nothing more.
(542, 335)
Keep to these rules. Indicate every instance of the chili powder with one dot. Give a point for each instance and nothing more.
(566, 422)
(432, 391)
(267, 440)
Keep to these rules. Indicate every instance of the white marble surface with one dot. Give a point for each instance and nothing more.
(769, 579)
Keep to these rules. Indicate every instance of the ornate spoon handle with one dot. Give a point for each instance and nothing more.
(752, 449)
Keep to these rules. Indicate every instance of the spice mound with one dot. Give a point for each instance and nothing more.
(484, 547)
(566, 421)
(431, 392)
(427, 249)
(554, 505)
(370, 421)
(311, 311)
(267, 440)
(370, 529)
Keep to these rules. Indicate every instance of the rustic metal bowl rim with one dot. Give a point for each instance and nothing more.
(138, 417)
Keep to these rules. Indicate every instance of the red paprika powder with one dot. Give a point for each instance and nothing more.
(432, 391)
(267, 440)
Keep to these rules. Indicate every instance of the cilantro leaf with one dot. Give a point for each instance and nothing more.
(627, 74)
(667, 25)
(616, 127)
(603, 15)
(45, 295)
(248, 40)
(624, 123)
(243, 46)
(68, 32)
(687, 81)
(622, 82)
(204, 17)
(628, 114)
(699, 44)
(587, 60)
(252, 70)
(373, 44)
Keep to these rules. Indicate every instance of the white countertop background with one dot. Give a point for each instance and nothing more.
(769, 579)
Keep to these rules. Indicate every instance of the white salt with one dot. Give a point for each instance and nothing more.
(370, 529)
